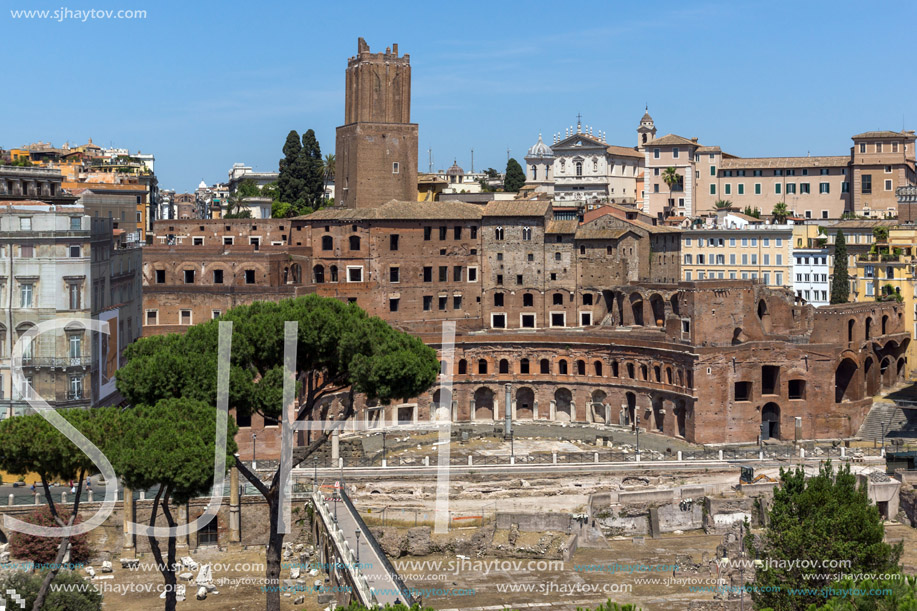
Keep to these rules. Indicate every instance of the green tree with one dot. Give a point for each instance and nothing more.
(880, 233)
(671, 177)
(340, 349)
(813, 522)
(515, 177)
(281, 210)
(898, 594)
(312, 168)
(171, 446)
(30, 444)
(723, 204)
(840, 281)
(780, 212)
(290, 182)
(244, 214)
(71, 592)
(328, 166)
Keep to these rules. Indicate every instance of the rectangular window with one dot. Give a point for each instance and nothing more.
(215, 314)
(25, 295)
(428, 274)
(866, 187)
(427, 303)
(427, 233)
(443, 273)
(655, 153)
(75, 223)
(393, 242)
(713, 170)
(249, 276)
(675, 153)
(457, 273)
(218, 276)
(354, 273)
(74, 290)
(394, 274)
(712, 189)
(395, 167)
(498, 321)
(777, 188)
(184, 317)
(456, 302)
(558, 319)
(727, 189)
(824, 187)
(26, 251)
(442, 232)
(498, 300)
(227, 241)
(457, 232)
(472, 274)
(152, 317)
(888, 187)
(741, 188)
(732, 259)
(443, 302)
(779, 278)
(189, 276)
(804, 188)
(790, 188)
(25, 223)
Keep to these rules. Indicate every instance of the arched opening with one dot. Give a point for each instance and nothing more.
(620, 299)
(630, 371)
(868, 327)
(597, 368)
(580, 367)
(636, 306)
(442, 400)
(631, 400)
(296, 273)
(644, 375)
(327, 242)
(562, 367)
(286, 275)
(318, 274)
(658, 306)
(658, 414)
(334, 273)
(884, 371)
(843, 381)
(614, 369)
(674, 302)
(900, 369)
(524, 366)
(545, 366)
(563, 405)
(764, 316)
(354, 242)
(668, 375)
(3, 539)
(680, 416)
(482, 365)
(504, 366)
(657, 373)
(681, 377)
(885, 325)
(738, 336)
(598, 406)
(525, 404)
(850, 324)
(462, 367)
(770, 421)
(483, 404)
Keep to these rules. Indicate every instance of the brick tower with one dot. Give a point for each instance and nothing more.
(376, 148)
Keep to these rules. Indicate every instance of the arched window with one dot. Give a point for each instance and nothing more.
(463, 367)
(545, 366)
(595, 165)
(579, 168)
(327, 242)
(534, 172)
(318, 274)
(524, 366)
(334, 273)
(504, 366)
(526, 233)
(630, 371)
(562, 367)
(850, 324)
(597, 368)
(498, 233)
(581, 367)
(482, 366)
(354, 242)
(614, 369)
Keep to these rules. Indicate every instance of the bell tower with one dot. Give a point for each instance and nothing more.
(376, 148)
(646, 133)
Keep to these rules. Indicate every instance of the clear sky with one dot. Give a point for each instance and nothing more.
(205, 84)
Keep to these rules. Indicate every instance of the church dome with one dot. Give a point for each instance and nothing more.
(540, 149)
(646, 116)
(455, 170)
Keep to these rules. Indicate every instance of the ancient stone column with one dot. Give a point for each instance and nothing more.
(335, 444)
(235, 521)
(128, 516)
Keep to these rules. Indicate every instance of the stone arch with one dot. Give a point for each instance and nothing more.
(869, 373)
(504, 366)
(598, 406)
(764, 316)
(462, 367)
(675, 307)
(845, 378)
(657, 304)
(562, 367)
(885, 325)
(327, 242)
(318, 274)
(867, 328)
(563, 405)
(545, 366)
(899, 370)
(636, 307)
(524, 366)
(484, 404)
(525, 404)
(442, 399)
(296, 273)
(680, 414)
(597, 368)
(580, 367)
(482, 365)
(770, 421)
(885, 371)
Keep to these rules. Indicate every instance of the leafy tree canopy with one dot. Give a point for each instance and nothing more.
(515, 177)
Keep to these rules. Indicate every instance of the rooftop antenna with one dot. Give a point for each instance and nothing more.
(430, 152)
(472, 161)
(507, 154)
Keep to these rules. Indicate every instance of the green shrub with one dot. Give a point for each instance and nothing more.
(44, 549)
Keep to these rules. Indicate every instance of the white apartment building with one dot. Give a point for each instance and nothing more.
(812, 275)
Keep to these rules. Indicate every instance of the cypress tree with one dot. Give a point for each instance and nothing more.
(289, 183)
(840, 281)
(313, 171)
(515, 177)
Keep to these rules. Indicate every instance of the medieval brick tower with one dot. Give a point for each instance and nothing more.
(377, 145)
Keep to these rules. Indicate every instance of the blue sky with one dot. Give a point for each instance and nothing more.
(205, 84)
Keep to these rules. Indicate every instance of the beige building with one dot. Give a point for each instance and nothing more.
(743, 252)
(822, 187)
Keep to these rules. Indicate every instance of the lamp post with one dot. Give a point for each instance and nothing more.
(383, 448)
(254, 449)
(315, 477)
(358, 546)
(637, 427)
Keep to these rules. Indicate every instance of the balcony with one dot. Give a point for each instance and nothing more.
(56, 362)
(884, 258)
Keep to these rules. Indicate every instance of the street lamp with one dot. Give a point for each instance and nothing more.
(637, 426)
(254, 448)
(383, 448)
(315, 477)
(358, 546)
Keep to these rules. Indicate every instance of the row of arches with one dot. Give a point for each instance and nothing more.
(352, 241)
(648, 372)
(853, 382)
(635, 309)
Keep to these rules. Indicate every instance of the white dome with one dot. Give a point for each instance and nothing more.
(203, 185)
(540, 149)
